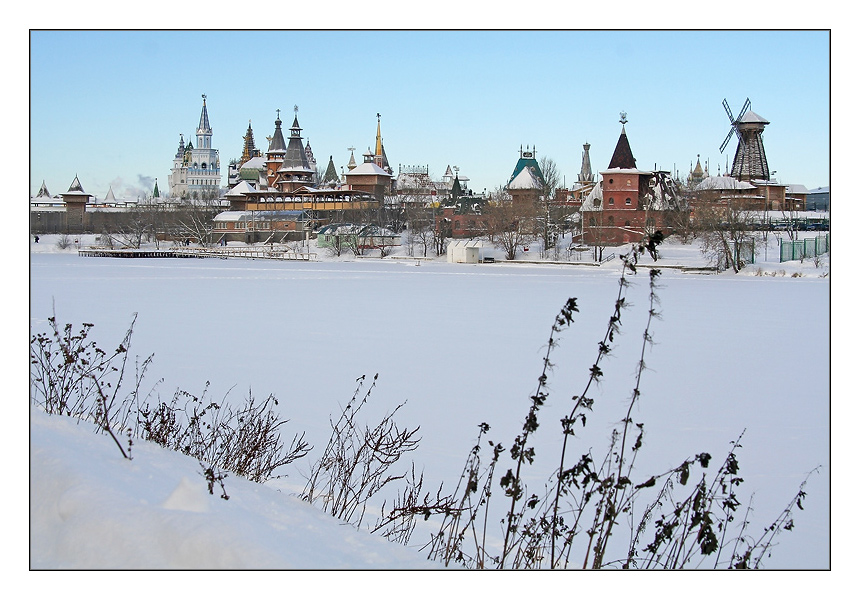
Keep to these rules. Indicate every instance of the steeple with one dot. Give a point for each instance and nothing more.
(698, 173)
(76, 186)
(585, 174)
(204, 127)
(155, 193)
(294, 171)
(250, 149)
(276, 142)
(43, 191)
(351, 164)
(295, 157)
(622, 158)
(204, 131)
(379, 156)
(378, 135)
(330, 177)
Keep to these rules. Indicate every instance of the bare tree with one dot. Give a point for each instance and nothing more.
(509, 226)
(195, 221)
(419, 220)
(136, 226)
(727, 233)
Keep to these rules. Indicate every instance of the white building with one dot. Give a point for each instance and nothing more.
(196, 172)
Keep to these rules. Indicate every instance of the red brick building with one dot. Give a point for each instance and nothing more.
(628, 203)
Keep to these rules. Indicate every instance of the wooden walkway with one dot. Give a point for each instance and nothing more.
(216, 252)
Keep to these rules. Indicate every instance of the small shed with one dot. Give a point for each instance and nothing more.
(464, 252)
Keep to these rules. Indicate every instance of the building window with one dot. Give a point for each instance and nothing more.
(627, 201)
(611, 180)
(611, 201)
(627, 223)
(596, 203)
(611, 221)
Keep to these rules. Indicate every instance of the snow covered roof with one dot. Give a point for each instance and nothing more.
(257, 162)
(723, 183)
(796, 188)
(466, 244)
(526, 179)
(353, 229)
(277, 143)
(619, 170)
(596, 194)
(241, 188)
(43, 191)
(259, 215)
(76, 189)
(751, 117)
(369, 168)
(770, 182)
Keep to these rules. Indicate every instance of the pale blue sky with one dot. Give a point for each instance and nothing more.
(109, 106)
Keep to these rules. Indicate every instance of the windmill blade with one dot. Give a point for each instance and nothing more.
(744, 109)
(728, 111)
(726, 141)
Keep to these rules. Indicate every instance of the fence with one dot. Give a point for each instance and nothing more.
(800, 249)
(742, 253)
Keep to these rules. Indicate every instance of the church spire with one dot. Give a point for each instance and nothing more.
(250, 148)
(204, 127)
(622, 158)
(276, 143)
(379, 156)
(204, 130)
(378, 135)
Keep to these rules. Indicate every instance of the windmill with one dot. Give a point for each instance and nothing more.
(734, 128)
(750, 160)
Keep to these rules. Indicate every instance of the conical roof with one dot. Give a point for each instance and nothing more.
(295, 158)
(622, 158)
(76, 189)
(43, 191)
(585, 174)
(330, 172)
(381, 158)
(527, 162)
(204, 127)
(110, 195)
(751, 117)
(249, 149)
(277, 143)
(76, 186)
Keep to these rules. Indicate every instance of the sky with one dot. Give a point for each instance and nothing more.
(109, 106)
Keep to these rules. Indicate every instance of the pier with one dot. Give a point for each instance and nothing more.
(271, 253)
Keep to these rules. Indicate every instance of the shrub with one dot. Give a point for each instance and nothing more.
(71, 375)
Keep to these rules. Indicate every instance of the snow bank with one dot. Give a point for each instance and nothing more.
(92, 509)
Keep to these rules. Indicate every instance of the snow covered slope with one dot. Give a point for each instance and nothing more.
(92, 509)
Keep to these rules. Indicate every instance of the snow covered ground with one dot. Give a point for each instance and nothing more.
(462, 345)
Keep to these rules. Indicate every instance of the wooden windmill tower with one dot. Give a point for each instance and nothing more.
(750, 160)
